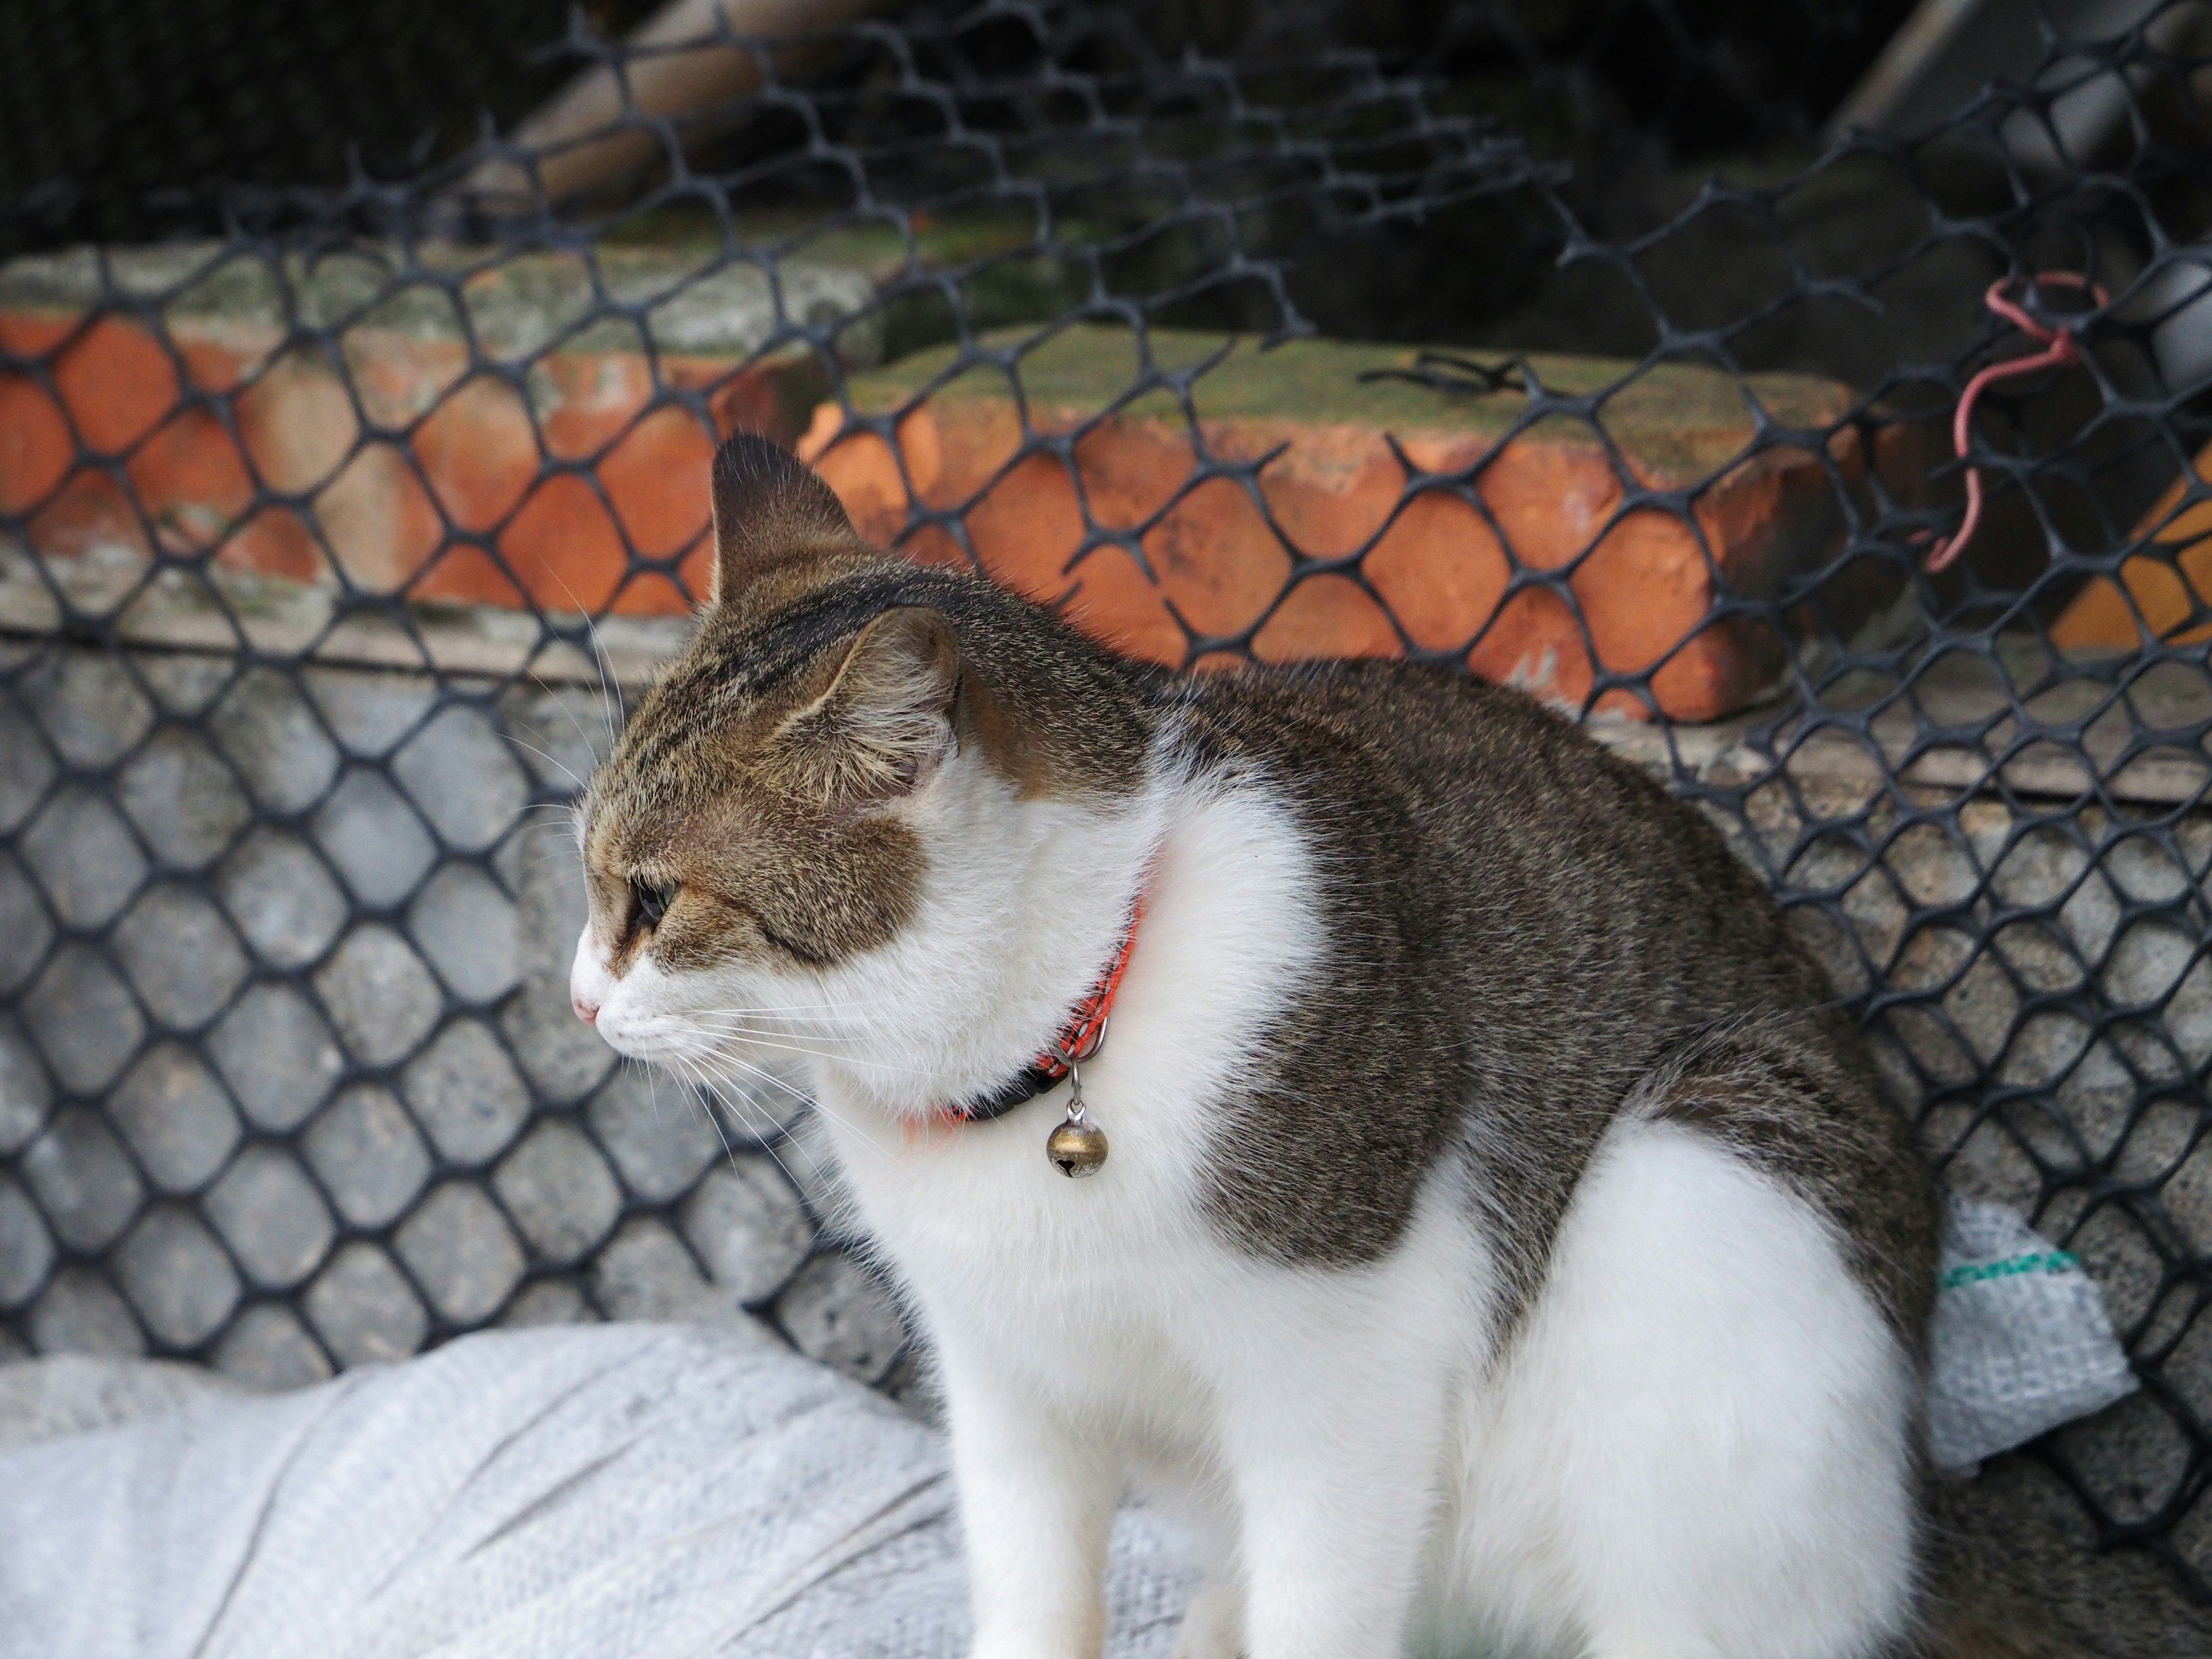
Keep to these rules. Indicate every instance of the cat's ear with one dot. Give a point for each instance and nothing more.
(769, 507)
(884, 722)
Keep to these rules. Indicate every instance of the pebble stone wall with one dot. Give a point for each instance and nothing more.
(293, 1084)
(318, 1098)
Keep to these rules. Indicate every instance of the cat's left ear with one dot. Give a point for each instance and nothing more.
(884, 723)
(770, 509)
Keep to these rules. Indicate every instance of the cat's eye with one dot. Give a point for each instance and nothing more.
(652, 900)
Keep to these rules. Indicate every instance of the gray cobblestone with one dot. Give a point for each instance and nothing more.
(278, 1055)
(27, 765)
(271, 1217)
(88, 704)
(83, 1179)
(84, 857)
(2133, 1457)
(461, 1251)
(81, 1313)
(645, 1273)
(465, 1089)
(656, 1131)
(363, 1310)
(550, 1301)
(26, 934)
(281, 897)
(177, 1276)
(185, 804)
(182, 684)
(27, 1249)
(180, 955)
(373, 838)
(837, 1313)
(463, 775)
(467, 929)
(272, 736)
(381, 999)
(267, 1347)
(559, 1190)
(175, 1116)
(746, 1223)
(25, 1093)
(365, 1148)
(369, 713)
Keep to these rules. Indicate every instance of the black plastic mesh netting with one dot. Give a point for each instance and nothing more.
(347, 488)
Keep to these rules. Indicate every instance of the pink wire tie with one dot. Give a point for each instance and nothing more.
(2059, 351)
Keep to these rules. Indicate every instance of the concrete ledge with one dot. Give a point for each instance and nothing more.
(108, 590)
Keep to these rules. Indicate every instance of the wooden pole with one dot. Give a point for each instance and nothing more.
(690, 56)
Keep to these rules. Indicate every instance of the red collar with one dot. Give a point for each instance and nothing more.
(1080, 1038)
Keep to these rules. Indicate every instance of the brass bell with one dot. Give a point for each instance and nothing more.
(1075, 1148)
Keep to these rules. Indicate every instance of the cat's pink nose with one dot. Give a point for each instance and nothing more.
(587, 1011)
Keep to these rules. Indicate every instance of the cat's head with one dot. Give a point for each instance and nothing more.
(821, 826)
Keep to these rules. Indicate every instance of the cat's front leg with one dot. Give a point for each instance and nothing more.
(1335, 1451)
(1036, 1502)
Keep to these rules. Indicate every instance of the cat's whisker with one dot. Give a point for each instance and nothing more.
(812, 1101)
(705, 1085)
(766, 1145)
(653, 1090)
(608, 682)
(766, 1042)
(548, 858)
(781, 1009)
(794, 1030)
(694, 1065)
(764, 1073)
(551, 760)
(582, 736)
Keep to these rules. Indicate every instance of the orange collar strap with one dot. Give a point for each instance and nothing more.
(1079, 1039)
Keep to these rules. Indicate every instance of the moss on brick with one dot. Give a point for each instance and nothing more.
(1677, 423)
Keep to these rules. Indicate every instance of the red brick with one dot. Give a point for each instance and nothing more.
(2169, 589)
(395, 515)
(1642, 582)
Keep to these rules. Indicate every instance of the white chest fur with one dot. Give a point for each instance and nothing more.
(1070, 1279)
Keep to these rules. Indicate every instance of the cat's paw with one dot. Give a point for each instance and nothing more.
(1214, 1626)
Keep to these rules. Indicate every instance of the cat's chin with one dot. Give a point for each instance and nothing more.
(654, 1040)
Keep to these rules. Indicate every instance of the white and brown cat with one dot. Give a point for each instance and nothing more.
(1502, 1242)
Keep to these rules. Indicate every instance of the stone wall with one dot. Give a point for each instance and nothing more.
(290, 1078)
(2034, 975)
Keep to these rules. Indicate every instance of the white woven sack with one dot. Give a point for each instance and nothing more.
(610, 1491)
(617, 1492)
(2020, 1343)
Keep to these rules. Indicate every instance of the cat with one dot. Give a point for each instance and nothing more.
(1494, 1237)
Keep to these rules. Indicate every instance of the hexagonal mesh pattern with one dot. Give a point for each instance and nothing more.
(329, 536)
